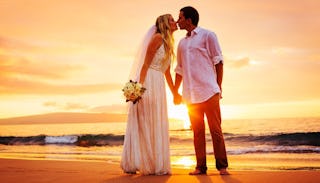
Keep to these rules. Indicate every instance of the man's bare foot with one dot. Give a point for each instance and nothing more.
(224, 172)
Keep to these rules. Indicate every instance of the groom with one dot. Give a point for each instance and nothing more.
(200, 66)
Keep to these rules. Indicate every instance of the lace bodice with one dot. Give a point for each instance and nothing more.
(157, 62)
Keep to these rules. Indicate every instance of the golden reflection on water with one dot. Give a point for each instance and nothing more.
(185, 161)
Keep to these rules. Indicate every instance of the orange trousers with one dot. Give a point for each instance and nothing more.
(210, 108)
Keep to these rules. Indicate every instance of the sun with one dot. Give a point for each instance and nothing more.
(179, 112)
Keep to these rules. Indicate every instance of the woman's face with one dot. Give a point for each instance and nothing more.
(173, 24)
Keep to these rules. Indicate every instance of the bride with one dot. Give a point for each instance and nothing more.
(146, 142)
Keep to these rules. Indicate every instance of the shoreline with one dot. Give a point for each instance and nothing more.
(245, 162)
(63, 171)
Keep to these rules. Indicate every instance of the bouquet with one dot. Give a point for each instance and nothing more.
(133, 91)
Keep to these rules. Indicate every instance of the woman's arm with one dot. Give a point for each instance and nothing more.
(169, 80)
(153, 46)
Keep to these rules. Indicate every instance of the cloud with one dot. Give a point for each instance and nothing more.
(12, 44)
(66, 106)
(242, 62)
(22, 75)
(17, 66)
(315, 57)
(20, 86)
(17, 59)
(266, 82)
(70, 106)
(50, 104)
(110, 108)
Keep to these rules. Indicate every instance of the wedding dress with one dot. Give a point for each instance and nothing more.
(146, 143)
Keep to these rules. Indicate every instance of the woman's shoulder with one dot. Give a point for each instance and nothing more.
(156, 40)
(157, 37)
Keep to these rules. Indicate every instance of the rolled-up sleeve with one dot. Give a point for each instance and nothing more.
(214, 48)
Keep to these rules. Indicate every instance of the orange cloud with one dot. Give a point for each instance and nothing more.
(16, 66)
(13, 44)
(110, 108)
(21, 76)
(19, 86)
(14, 62)
(242, 62)
(66, 106)
(283, 81)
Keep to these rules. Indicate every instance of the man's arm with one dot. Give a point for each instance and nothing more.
(219, 71)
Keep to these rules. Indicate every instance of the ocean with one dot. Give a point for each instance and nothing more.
(252, 144)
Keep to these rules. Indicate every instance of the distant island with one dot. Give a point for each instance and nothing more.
(65, 117)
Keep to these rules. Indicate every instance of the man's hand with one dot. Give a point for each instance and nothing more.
(177, 99)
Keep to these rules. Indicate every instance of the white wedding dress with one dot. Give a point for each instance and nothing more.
(146, 142)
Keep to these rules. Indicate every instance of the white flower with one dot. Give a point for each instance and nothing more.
(133, 91)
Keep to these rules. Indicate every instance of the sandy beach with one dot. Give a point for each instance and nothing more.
(14, 170)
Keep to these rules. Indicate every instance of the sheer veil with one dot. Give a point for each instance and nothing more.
(139, 58)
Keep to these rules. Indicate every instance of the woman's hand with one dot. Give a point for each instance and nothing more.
(177, 98)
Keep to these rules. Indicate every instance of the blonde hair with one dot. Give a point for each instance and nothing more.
(164, 28)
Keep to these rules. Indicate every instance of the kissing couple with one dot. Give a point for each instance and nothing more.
(200, 69)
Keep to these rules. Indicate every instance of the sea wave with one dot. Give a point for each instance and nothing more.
(78, 140)
(273, 149)
(285, 142)
(71, 139)
(281, 139)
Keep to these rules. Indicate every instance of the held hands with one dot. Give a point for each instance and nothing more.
(177, 98)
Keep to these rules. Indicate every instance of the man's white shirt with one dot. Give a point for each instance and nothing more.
(196, 56)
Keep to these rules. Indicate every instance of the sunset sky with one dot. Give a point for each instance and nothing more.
(75, 55)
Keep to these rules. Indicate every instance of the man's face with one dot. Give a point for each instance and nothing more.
(181, 21)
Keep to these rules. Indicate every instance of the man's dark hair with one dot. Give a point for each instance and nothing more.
(192, 13)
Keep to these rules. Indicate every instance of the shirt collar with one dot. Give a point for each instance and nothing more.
(195, 31)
